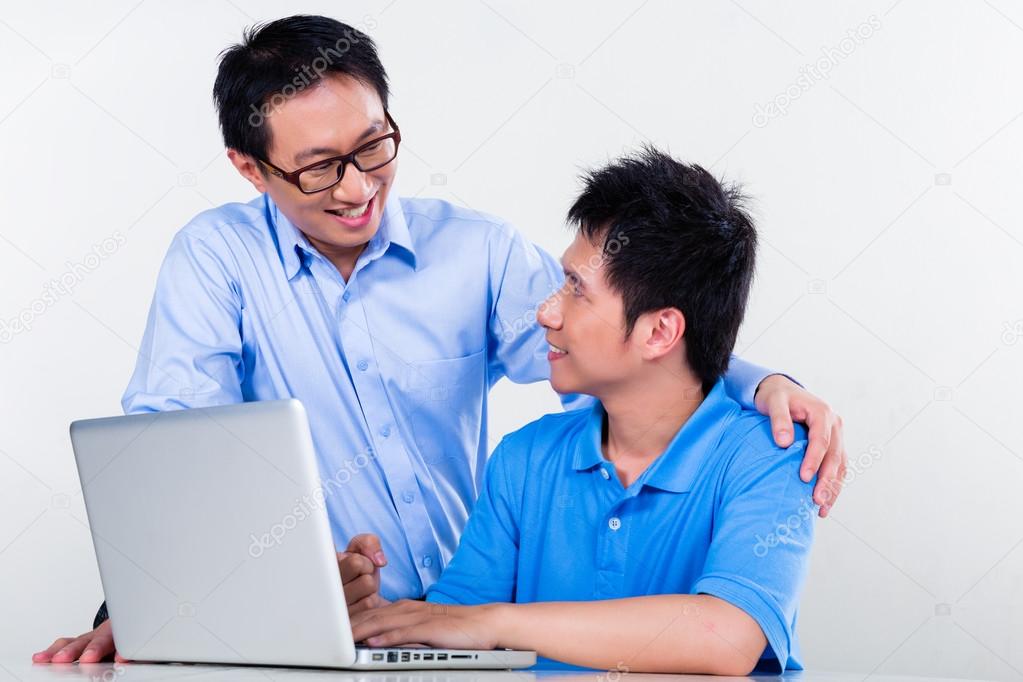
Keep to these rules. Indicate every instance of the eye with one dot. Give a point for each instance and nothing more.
(574, 284)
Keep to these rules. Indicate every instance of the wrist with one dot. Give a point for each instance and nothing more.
(769, 381)
(499, 620)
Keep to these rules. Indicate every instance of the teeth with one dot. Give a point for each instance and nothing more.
(555, 349)
(356, 212)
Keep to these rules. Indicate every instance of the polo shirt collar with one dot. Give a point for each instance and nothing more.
(676, 469)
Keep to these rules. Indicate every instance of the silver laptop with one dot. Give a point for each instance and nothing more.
(214, 546)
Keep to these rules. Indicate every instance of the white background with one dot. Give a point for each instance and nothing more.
(889, 275)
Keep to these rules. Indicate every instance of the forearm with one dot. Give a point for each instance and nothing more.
(664, 633)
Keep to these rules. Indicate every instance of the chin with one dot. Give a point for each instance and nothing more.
(339, 236)
(563, 386)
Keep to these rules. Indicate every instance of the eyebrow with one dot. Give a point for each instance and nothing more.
(319, 151)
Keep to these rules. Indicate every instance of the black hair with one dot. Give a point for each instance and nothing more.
(673, 237)
(279, 59)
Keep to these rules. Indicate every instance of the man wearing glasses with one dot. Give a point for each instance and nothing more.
(390, 319)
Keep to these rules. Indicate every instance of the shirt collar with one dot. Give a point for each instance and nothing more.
(294, 246)
(676, 468)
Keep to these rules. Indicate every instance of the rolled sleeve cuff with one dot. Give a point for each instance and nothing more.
(750, 598)
(744, 378)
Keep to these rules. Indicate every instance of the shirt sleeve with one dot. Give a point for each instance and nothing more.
(191, 349)
(483, 569)
(522, 277)
(743, 378)
(760, 546)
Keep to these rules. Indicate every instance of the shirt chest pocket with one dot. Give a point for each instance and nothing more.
(443, 404)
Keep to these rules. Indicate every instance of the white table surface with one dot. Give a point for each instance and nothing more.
(115, 672)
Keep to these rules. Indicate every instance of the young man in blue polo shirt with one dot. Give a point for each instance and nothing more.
(661, 529)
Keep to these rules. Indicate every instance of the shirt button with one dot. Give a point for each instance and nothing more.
(427, 561)
(408, 497)
(603, 472)
(362, 365)
(614, 523)
(347, 296)
(385, 430)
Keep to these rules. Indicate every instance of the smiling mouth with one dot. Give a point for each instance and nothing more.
(354, 212)
(357, 212)
(555, 349)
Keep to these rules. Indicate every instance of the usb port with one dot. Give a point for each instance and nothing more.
(392, 656)
(404, 656)
(442, 657)
(427, 657)
(378, 657)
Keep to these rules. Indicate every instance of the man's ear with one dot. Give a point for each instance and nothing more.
(249, 169)
(664, 331)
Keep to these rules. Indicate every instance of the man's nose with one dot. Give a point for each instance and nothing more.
(354, 186)
(549, 312)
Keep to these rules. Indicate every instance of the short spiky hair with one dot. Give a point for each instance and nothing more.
(279, 59)
(673, 237)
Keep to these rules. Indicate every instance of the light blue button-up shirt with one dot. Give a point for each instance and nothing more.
(722, 512)
(393, 366)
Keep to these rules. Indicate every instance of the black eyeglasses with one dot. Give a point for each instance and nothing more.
(326, 173)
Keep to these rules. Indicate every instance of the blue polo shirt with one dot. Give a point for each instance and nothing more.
(722, 512)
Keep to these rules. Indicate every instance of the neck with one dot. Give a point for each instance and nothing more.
(343, 257)
(644, 416)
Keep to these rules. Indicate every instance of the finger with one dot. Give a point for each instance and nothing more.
(369, 546)
(71, 652)
(832, 472)
(398, 636)
(364, 604)
(819, 436)
(46, 654)
(363, 616)
(379, 621)
(353, 565)
(388, 609)
(362, 587)
(118, 658)
(781, 420)
(370, 603)
(100, 648)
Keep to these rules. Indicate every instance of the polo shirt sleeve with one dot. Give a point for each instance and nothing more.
(760, 545)
(483, 568)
